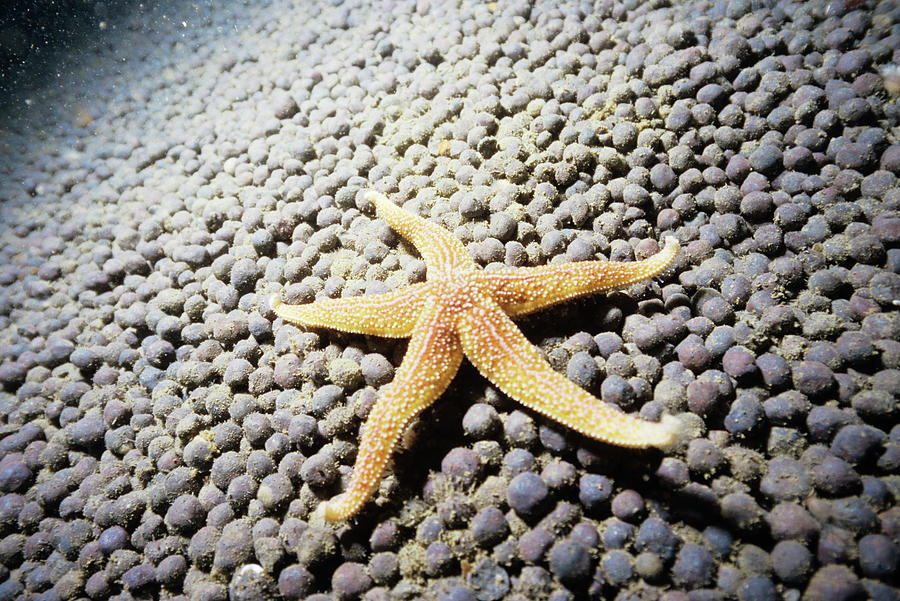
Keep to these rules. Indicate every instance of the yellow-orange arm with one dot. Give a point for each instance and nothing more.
(493, 343)
(440, 250)
(392, 315)
(529, 289)
(431, 361)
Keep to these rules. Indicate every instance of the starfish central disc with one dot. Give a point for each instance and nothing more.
(461, 310)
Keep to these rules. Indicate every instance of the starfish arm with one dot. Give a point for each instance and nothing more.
(441, 251)
(533, 288)
(392, 315)
(494, 344)
(431, 361)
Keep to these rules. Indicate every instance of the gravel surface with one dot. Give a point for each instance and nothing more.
(161, 436)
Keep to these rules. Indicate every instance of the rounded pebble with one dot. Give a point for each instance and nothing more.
(526, 494)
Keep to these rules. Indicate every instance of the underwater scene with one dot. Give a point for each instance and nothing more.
(450, 300)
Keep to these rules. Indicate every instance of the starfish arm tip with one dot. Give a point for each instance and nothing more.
(671, 242)
(670, 249)
(336, 509)
(374, 196)
(678, 430)
(319, 515)
(274, 302)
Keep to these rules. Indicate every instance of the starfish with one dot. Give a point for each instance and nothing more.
(459, 310)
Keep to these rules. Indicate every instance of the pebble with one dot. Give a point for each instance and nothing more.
(350, 581)
(673, 473)
(835, 477)
(791, 521)
(533, 544)
(295, 582)
(656, 536)
(617, 568)
(461, 463)
(628, 505)
(582, 369)
(856, 443)
(384, 568)
(170, 571)
(481, 421)
(14, 473)
(878, 556)
(702, 397)
(739, 363)
(275, 492)
(139, 577)
(834, 583)
(704, 458)
(786, 479)
(185, 515)
(520, 429)
(787, 408)
(694, 355)
(758, 588)
(570, 561)
(488, 581)
(489, 526)
(517, 461)
(792, 562)
(694, 566)
(234, 547)
(823, 422)
(745, 415)
(319, 471)
(853, 514)
(376, 369)
(648, 566)
(594, 491)
(813, 378)
(96, 586)
(835, 545)
(439, 560)
(526, 494)
(742, 511)
(457, 593)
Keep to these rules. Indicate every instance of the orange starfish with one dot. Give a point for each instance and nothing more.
(463, 310)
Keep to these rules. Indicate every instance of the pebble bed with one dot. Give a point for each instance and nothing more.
(163, 437)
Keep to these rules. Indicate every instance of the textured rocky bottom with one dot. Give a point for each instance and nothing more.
(164, 436)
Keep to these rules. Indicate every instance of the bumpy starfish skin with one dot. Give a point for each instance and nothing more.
(463, 310)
